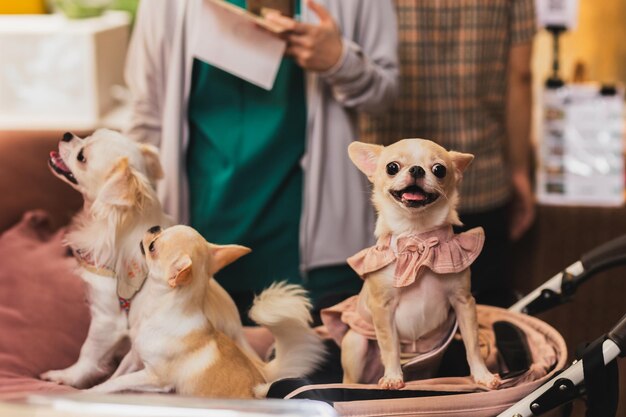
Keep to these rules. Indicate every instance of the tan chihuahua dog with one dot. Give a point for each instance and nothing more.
(417, 277)
(182, 350)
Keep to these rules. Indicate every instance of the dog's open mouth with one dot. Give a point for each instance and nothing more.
(414, 196)
(58, 165)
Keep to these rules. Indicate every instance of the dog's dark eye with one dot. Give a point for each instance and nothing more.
(151, 247)
(393, 168)
(81, 157)
(439, 170)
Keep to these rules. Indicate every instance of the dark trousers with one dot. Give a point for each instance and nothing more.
(327, 286)
(491, 272)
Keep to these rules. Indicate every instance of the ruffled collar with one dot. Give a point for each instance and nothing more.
(440, 250)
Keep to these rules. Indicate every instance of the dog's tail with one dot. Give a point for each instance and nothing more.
(284, 309)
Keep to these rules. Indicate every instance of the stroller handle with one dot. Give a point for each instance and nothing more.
(559, 289)
(618, 335)
(603, 253)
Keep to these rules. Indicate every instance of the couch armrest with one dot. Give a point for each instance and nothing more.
(26, 182)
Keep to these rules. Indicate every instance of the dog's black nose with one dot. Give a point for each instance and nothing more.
(154, 229)
(417, 172)
(67, 136)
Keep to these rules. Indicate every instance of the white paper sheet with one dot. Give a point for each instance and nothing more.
(234, 43)
(581, 157)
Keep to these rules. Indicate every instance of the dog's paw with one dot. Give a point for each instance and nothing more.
(391, 383)
(62, 377)
(488, 380)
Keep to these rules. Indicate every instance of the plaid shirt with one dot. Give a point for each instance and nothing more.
(454, 56)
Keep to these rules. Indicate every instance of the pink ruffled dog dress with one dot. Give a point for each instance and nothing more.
(440, 250)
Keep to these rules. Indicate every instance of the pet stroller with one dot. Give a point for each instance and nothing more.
(528, 354)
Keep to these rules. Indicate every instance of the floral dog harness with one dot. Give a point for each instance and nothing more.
(86, 262)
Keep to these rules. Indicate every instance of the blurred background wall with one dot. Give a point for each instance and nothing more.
(599, 43)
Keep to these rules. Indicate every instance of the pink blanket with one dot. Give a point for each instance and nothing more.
(44, 316)
(43, 313)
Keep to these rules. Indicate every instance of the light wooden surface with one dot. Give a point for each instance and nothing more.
(152, 405)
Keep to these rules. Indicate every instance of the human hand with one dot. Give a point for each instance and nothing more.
(314, 47)
(523, 205)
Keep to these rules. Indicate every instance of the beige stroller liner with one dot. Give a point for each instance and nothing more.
(460, 396)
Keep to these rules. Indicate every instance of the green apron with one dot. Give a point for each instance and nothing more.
(244, 172)
(245, 179)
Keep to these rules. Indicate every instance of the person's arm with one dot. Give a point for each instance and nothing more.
(518, 106)
(518, 114)
(363, 73)
(518, 122)
(144, 73)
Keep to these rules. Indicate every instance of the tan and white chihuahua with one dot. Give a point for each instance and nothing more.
(182, 350)
(417, 277)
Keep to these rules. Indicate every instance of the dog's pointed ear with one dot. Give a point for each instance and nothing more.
(153, 163)
(180, 272)
(123, 188)
(365, 156)
(120, 188)
(224, 255)
(461, 160)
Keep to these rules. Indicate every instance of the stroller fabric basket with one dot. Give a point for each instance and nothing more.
(544, 349)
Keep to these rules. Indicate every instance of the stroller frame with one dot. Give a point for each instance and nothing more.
(564, 387)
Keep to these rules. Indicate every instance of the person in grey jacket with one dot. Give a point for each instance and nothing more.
(268, 169)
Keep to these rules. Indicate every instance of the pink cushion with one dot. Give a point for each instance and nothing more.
(43, 313)
(44, 316)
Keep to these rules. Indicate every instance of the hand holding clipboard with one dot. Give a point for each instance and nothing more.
(315, 47)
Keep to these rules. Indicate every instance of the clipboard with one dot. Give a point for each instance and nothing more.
(237, 41)
(247, 14)
(260, 7)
